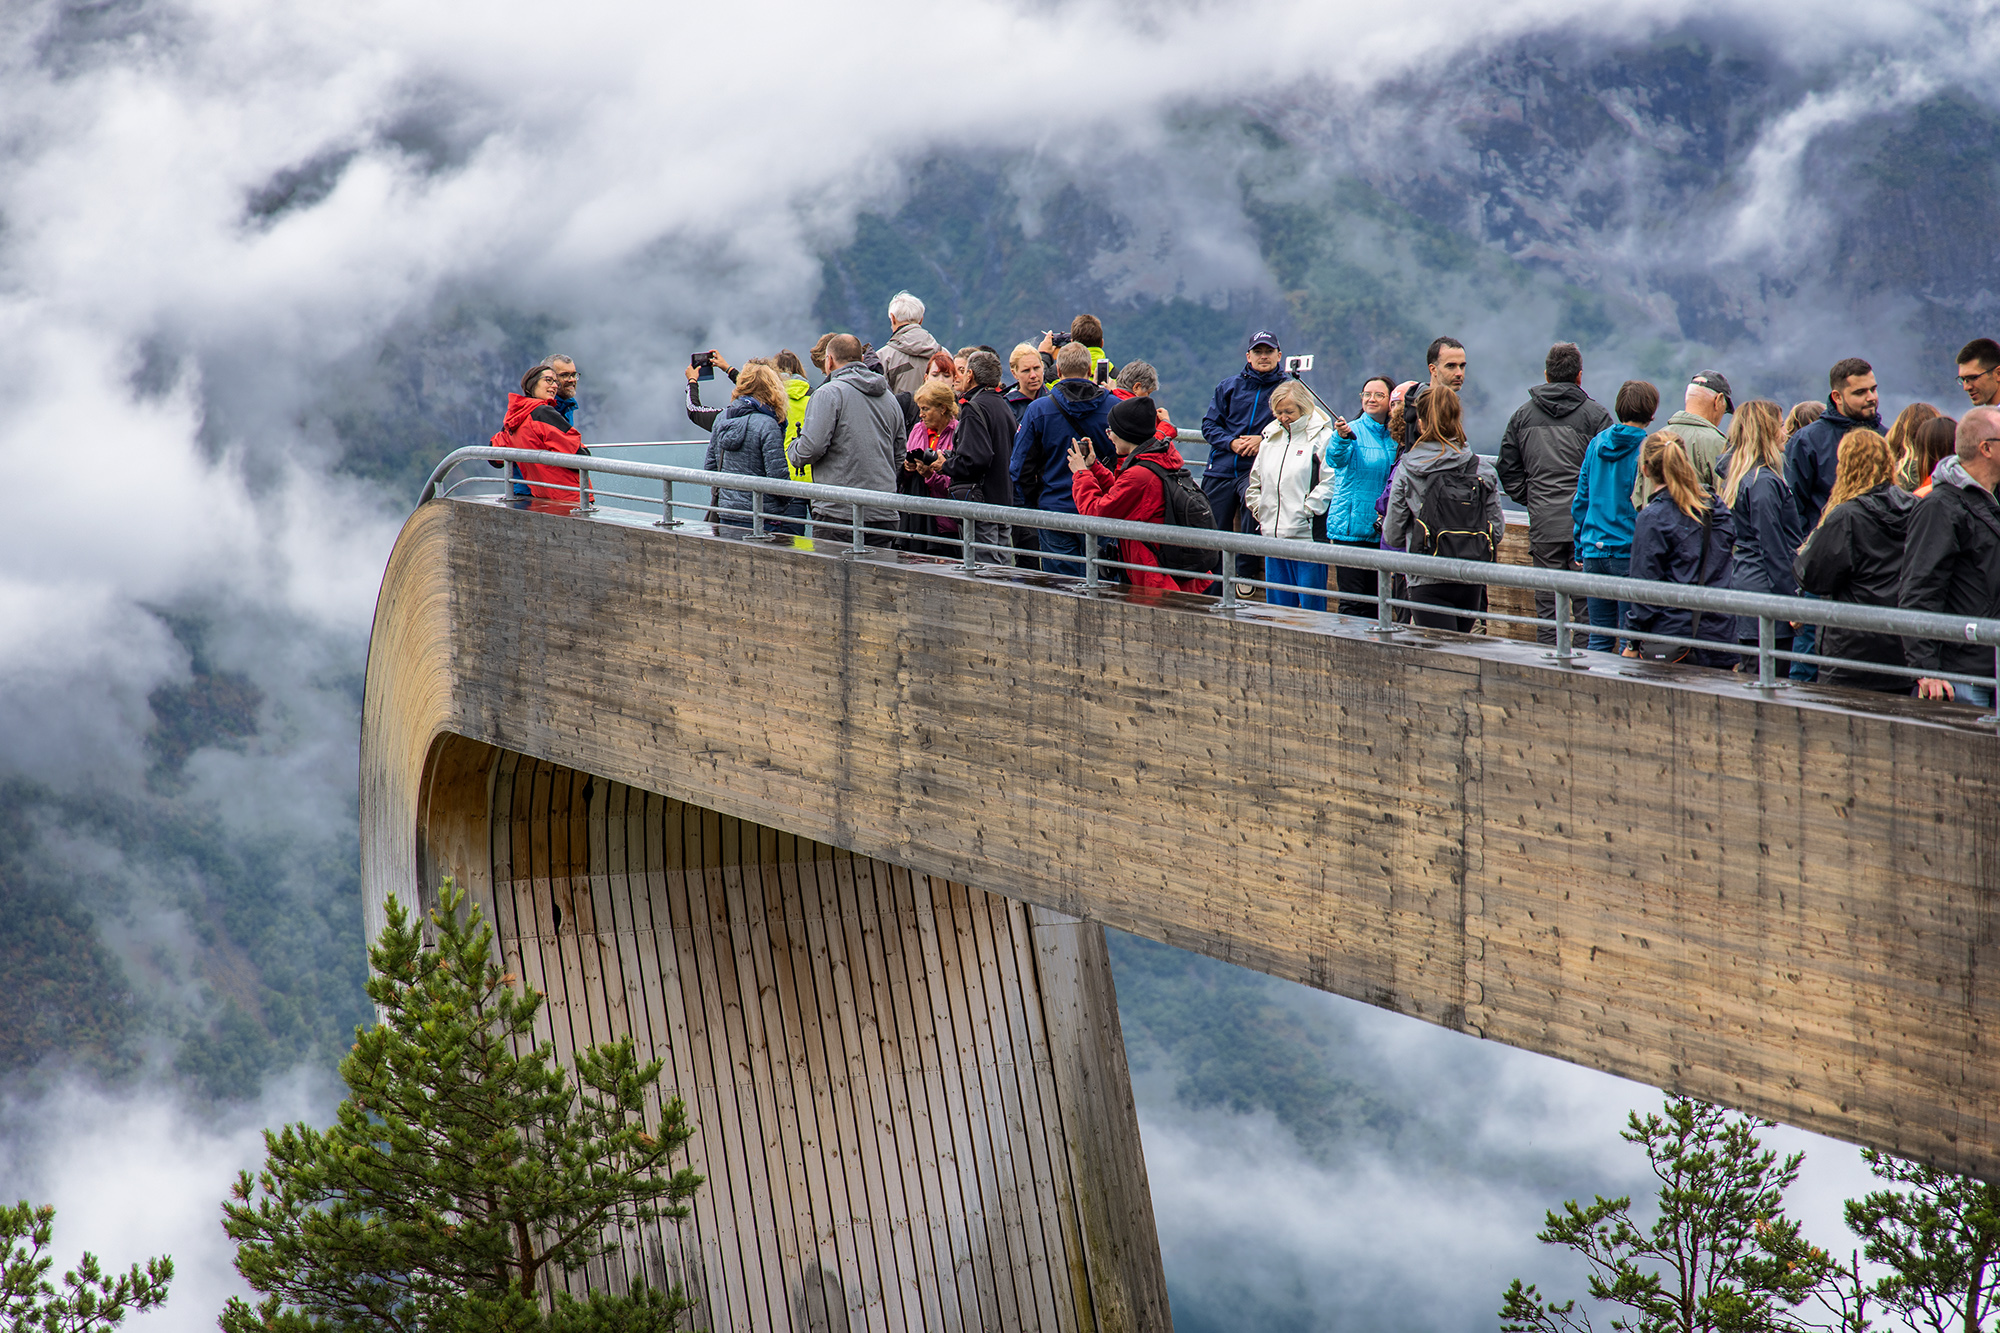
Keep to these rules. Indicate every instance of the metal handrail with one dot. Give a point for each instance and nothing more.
(1567, 585)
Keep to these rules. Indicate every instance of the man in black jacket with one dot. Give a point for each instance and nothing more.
(1812, 459)
(1951, 563)
(981, 447)
(1540, 453)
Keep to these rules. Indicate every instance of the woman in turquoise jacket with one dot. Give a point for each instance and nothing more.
(1602, 512)
(1359, 455)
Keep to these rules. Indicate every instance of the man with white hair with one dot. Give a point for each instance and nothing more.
(1699, 425)
(909, 349)
(1951, 558)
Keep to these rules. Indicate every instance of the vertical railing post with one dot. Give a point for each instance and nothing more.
(583, 505)
(1767, 647)
(1385, 615)
(667, 519)
(965, 526)
(859, 545)
(1228, 602)
(1565, 635)
(1090, 561)
(756, 513)
(1994, 716)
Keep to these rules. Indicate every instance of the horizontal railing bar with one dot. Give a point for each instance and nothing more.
(1722, 601)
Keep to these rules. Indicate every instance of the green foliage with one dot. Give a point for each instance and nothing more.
(460, 1173)
(64, 993)
(89, 1300)
(1722, 1257)
(1939, 1237)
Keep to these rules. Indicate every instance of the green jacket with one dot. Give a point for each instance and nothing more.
(1704, 444)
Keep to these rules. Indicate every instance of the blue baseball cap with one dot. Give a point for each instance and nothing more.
(1264, 338)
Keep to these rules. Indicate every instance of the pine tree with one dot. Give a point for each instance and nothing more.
(1722, 1256)
(1939, 1239)
(89, 1302)
(460, 1173)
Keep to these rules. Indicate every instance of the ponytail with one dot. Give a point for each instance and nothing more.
(1664, 460)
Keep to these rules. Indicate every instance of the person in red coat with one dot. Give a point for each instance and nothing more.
(533, 422)
(1133, 493)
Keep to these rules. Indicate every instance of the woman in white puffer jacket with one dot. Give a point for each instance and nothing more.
(1286, 470)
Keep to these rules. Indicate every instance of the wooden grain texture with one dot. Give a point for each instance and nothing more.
(1782, 904)
(711, 941)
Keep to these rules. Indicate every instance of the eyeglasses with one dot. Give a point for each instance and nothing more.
(571, 375)
(1967, 381)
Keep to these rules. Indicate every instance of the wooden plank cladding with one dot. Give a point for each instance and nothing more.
(1783, 904)
(909, 1097)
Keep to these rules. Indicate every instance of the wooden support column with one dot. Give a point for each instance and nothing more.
(910, 1097)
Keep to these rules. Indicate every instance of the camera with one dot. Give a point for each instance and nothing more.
(1297, 364)
(924, 456)
(704, 363)
(1057, 339)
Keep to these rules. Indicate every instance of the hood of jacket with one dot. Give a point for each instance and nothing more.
(1160, 453)
(519, 409)
(796, 389)
(743, 407)
(1621, 442)
(1430, 456)
(1948, 472)
(1558, 400)
(1079, 398)
(912, 340)
(871, 382)
(1889, 505)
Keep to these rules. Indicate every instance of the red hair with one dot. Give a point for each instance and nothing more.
(941, 363)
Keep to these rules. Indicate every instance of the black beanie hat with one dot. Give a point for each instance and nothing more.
(1134, 420)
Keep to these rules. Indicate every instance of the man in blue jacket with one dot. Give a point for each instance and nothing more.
(1812, 457)
(1076, 407)
(1233, 428)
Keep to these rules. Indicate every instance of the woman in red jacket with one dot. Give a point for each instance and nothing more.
(1133, 493)
(534, 423)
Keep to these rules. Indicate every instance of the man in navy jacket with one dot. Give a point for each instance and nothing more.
(1812, 457)
(1076, 407)
(1233, 428)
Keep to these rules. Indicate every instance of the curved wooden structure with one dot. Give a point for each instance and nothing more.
(1785, 905)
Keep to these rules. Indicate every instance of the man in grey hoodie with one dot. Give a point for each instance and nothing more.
(850, 436)
(909, 350)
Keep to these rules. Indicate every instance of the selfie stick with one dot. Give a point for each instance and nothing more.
(1302, 363)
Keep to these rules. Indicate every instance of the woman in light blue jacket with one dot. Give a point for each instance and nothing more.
(1358, 458)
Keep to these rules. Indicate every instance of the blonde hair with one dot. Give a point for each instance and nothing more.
(936, 393)
(1756, 439)
(1020, 350)
(1865, 463)
(758, 380)
(1903, 437)
(1295, 393)
(1803, 415)
(1441, 418)
(1664, 459)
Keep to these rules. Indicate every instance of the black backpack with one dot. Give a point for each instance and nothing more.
(1451, 517)
(1186, 507)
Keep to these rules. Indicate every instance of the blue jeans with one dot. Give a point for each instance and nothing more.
(1805, 639)
(1225, 501)
(1062, 543)
(1979, 696)
(1606, 613)
(1298, 573)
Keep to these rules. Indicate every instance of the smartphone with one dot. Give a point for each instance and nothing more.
(1102, 372)
(703, 362)
(1296, 364)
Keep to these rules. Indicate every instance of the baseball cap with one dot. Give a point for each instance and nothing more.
(1713, 381)
(1264, 338)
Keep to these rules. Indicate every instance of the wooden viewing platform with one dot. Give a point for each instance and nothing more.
(835, 837)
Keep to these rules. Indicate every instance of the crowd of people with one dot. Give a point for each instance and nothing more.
(1821, 500)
